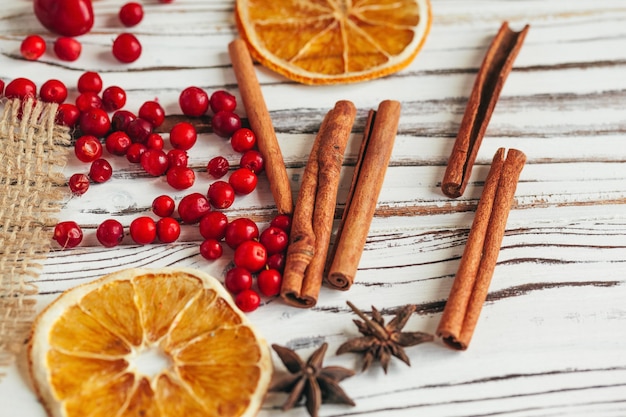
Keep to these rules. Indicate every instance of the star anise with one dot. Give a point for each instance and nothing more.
(380, 341)
(319, 384)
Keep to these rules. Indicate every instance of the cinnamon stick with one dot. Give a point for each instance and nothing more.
(314, 212)
(367, 182)
(493, 72)
(471, 284)
(261, 123)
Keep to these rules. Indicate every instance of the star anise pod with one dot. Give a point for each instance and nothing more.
(311, 379)
(380, 341)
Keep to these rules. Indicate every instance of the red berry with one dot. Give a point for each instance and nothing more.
(121, 119)
(180, 178)
(251, 255)
(79, 184)
(126, 48)
(88, 100)
(225, 123)
(218, 167)
(223, 101)
(193, 101)
(240, 230)
(87, 148)
(134, 152)
(248, 301)
(238, 279)
(21, 88)
(65, 17)
(168, 230)
(282, 221)
(113, 98)
(269, 282)
(68, 234)
(276, 261)
(110, 233)
(153, 112)
(67, 49)
(67, 115)
(192, 207)
(53, 91)
(213, 225)
(95, 122)
(253, 160)
(131, 14)
(183, 136)
(143, 230)
(243, 140)
(154, 162)
(33, 47)
(221, 194)
(1, 87)
(177, 158)
(155, 141)
(117, 143)
(139, 130)
(274, 239)
(89, 81)
(163, 206)
(243, 181)
(100, 170)
(211, 249)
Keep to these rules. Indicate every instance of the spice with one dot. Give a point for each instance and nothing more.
(261, 124)
(380, 341)
(493, 72)
(315, 209)
(478, 262)
(311, 379)
(367, 181)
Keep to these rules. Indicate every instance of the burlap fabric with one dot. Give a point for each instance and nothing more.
(32, 151)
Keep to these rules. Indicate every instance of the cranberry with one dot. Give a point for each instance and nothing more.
(134, 152)
(113, 98)
(152, 112)
(67, 115)
(213, 225)
(121, 119)
(33, 47)
(95, 122)
(177, 158)
(126, 48)
(243, 140)
(225, 123)
(183, 136)
(193, 101)
(221, 194)
(67, 49)
(243, 181)
(248, 300)
(180, 178)
(131, 14)
(155, 141)
(88, 100)
(238, 279)
(218, 167)
(110, 233)
(276, 261)
(117, 143)
(269, 282)
(68, 234)
(79, 184)
(211, 249)
(100, 170)
(251, 255)
(21, 88)
(1, 87)
(154, 162)
(167, 229)
(139, 130)
(240, 230)
(65, 17)
(192, 207)
(87, 148)
(253, 160)
(53, 91)
(274, 239)
(89, 81)
(143, 230)
(282, 221)
(223, 101)
(163, 206)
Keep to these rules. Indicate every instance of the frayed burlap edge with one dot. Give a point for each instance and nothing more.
(32, 153)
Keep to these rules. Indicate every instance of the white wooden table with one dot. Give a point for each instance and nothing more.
(552, 336)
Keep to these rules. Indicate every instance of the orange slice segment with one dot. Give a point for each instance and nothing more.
(167, 342)
(334, 41)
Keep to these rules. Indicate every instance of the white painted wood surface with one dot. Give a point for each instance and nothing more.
(552, 336)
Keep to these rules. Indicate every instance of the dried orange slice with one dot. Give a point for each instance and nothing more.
(165, 342)
(334, 41)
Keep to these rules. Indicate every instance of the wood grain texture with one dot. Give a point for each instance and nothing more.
(551, 339)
